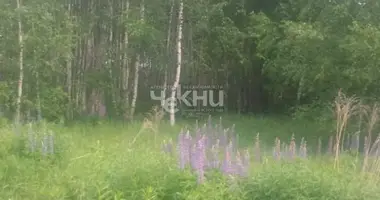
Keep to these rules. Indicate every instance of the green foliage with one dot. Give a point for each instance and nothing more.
(53, 103)
(95, 165)
(316, 49)
(318, 112)
(289, 53)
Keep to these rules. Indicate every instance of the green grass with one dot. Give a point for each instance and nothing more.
(98, 162)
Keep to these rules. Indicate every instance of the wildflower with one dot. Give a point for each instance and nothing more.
(200, 159)
(227, 167)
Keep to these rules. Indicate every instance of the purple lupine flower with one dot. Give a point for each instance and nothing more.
(227, 167)
(182, 148)
(201, 159)
(188, 143)
(193, 157)
(215, 155)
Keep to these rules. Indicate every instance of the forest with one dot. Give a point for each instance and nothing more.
(65, 58)
(290, 108)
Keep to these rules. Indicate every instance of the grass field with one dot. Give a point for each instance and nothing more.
(114, 161)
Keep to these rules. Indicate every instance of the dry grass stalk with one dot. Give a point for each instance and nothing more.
(151, 122)
(371, 124)
(292, 147)
(366, 147)
(155, 115)
(375, 150)
(345, 107)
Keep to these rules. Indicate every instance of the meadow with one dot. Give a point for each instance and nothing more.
(260, 157)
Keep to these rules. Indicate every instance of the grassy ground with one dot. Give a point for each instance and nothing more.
(99, 162)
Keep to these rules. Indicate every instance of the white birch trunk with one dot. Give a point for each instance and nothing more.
(137, 68)
(125, 68)
(179, 64)
(21, 65)
(135, 86)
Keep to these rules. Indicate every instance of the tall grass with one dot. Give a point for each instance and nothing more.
(259, 159)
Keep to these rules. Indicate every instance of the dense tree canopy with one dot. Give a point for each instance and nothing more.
(269, 55)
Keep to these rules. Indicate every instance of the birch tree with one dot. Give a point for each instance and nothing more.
(125, 65)
(179, 64)
(137, 65)
(21, 64)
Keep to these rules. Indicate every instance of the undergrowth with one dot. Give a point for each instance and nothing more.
(101, 162)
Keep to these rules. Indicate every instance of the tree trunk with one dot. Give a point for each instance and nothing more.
(69, 87)
(125, 69)
(21, 65)
(179, 64)
(167, 55)
(69, 71)
(137, 67)
(135, 86)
